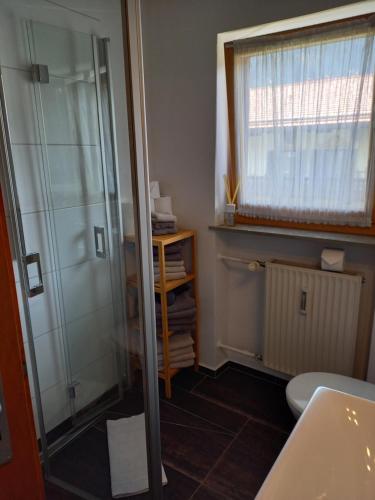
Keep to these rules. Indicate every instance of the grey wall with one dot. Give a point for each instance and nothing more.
(180, 73)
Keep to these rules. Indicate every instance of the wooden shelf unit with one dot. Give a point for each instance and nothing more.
(163, 287)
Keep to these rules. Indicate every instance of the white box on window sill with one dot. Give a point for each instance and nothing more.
(333, 260)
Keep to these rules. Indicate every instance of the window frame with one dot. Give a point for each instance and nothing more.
(232, 167)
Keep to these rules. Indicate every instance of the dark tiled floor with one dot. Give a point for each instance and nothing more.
(219, 436)
(250, 396)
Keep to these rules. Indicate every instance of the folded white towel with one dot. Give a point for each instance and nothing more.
(177, 352)
(176, 342)
(160, 217)
(163, 205)
(170, 263)
(168, 269)
(182, 364)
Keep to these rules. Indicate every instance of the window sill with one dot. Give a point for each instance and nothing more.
(296, 234)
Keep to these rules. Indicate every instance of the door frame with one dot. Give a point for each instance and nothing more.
(135, 87)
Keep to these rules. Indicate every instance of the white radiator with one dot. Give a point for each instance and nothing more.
(311, 319)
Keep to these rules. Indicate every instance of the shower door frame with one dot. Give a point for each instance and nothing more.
(136, 107)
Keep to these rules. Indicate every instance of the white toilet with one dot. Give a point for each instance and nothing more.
(301, 388)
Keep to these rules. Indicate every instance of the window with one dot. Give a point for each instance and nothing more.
(301, 126)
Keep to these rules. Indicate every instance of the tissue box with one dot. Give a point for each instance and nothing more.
(333, 260)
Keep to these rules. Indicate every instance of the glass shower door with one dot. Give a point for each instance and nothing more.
(57, 142)
(68, 92)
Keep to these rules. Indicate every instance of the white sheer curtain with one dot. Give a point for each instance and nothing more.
(303, 121)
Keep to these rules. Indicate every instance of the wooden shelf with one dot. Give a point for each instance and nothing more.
(162, 288)
(172, 373)
(166, 239)
(172, 284)
(169, 239)
(169, 285)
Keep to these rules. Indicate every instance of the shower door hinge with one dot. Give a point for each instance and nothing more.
(40, 73)
(72, 393)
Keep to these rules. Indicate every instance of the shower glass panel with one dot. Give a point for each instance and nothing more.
(82, 337)
(67, 95)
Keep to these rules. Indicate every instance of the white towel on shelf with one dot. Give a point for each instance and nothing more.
(170, 263)
(160, 217)
(178, 363)
(177, 353)
(182, 364)
(170, 269)
(163, 205)
(128, 456)
(176, 342)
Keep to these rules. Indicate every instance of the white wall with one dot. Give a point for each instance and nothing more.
(180, 72)
(76, 299)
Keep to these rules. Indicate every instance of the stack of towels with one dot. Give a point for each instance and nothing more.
(163, 223)
(181, 311)
(174, 263)
(162, 218)
(181, 352)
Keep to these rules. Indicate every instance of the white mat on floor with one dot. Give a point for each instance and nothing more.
(128, 456)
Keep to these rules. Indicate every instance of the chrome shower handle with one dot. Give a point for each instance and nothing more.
(33, 258)
(100, 248)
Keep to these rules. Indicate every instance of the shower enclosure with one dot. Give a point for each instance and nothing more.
(59, 167)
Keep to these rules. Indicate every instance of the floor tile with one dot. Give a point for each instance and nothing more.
(186, 379)
(227, 419)
(84, 463)
(56, 493)
(179, 487)
(169, 413)
(219, 436)
(250, 395)
(258, 374)
(131, 404)
(190, 444)
(244, 466)
(204, 493)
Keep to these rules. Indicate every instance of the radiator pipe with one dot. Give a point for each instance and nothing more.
(255, 265)
(240, 351)
(252, 265)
